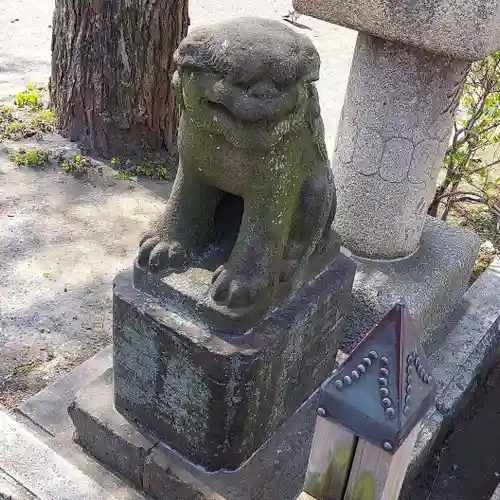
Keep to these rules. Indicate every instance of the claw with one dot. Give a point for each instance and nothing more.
(146, 249)
(238, 295)
(221, 285)
(217, 273)
(159, 256)
(177, 256)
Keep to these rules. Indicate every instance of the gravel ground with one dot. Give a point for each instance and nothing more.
(63, 239)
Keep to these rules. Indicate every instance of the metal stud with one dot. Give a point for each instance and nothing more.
(409, 369)
(384, 372)
(367, 362)
(426, 378)
(409, 379)
(387, 446)
(421, 371)
(430, 379)
(373, 354)
(390, 412)
(406, 410)
(410, 359)
(361, 369)
(382, 381)
(407, 400)
(355, 375)
(321, 412)
(384, 392)
(339, 385)
(347, 380)
(386, 402)
(408, 388)
(384, 360)
(417, 362)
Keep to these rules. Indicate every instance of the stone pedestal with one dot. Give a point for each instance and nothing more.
(215, 396)
(275, 471)
(433, 281)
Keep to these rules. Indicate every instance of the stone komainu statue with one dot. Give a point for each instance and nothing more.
(250, 126)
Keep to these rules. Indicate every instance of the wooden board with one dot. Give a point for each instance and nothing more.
(332, 452)
(377, 475)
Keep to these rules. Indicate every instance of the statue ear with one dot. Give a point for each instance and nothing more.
(177, 86)
(176, 81)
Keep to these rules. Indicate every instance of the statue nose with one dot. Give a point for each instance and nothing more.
(263, 90)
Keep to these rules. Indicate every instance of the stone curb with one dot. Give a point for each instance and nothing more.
(49, 407)
(44, 474)
(496, 494)
(461, 363)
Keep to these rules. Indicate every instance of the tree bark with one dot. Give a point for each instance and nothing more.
(112, 68)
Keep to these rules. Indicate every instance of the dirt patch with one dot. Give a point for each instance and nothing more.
(467, 467)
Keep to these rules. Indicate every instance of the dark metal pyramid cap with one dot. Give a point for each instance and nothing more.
(385, 387)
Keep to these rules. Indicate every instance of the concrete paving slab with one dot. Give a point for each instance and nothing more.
(44, 473)
(10, 489)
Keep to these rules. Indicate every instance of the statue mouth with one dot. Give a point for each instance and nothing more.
(255, 111)
(218, 107)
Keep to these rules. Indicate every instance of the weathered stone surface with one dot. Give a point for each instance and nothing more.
(106, 435)
(469, 352)
(188, 291)
(432, 280)
(394, 130)
(251, 133)
(216, 397)
(463, 29)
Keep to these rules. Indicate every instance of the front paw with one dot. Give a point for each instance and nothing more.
(237, 290)
(158, 254)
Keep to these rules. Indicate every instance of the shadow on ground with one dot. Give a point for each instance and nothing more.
(467, 467)
(62, 241)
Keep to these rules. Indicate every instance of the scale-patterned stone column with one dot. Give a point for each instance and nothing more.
(393, 134)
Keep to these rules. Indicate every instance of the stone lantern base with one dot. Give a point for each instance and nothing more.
(433, 280)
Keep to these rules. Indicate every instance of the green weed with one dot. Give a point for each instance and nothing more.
(44, 121)
(33, 157)
(153, 166)
(123, 175)
(30, 97)
(77, 165)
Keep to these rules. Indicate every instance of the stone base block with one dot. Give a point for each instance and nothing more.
(433, 281)
(216, 397)
(276, 471)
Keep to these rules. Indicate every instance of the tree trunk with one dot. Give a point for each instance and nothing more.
(112, 68)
